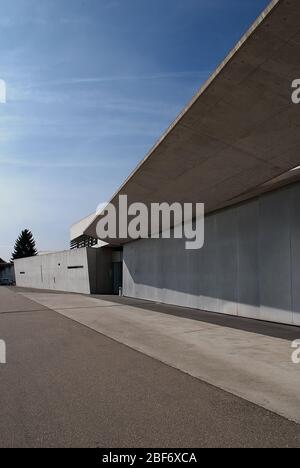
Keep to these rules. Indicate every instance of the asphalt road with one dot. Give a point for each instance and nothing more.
(65, 385)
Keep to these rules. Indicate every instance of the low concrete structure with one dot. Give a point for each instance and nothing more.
(84, 271)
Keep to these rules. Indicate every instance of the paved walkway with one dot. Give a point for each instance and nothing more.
(248, 364)
(65, 385)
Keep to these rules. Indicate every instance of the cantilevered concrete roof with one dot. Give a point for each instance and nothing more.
(239, 132)
(77, 229)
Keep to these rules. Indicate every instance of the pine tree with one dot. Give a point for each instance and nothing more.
(24, 246)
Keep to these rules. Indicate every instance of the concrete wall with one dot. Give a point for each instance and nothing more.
(81, 270)
(249, 266)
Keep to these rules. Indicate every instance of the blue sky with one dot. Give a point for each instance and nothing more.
(91, 85)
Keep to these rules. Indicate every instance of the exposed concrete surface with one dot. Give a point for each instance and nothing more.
(239, 132)
(249, 265)
(67, 386)
(77, 229)
(275, 330)
(84, 270)
(61, 271)
(252, 366)
(11, 302)
(272, 329)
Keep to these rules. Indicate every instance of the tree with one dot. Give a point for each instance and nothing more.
(24, 246)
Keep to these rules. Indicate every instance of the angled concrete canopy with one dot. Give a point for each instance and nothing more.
(240, 131)
(77, 229)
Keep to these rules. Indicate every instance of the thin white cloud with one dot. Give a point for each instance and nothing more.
(107, 79)
(60, 164)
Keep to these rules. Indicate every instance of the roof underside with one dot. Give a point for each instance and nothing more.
(239, 132)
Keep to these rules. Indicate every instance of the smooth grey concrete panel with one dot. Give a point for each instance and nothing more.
(129, 270)
(244, 268)
(207, 270)
(132, 268)
(55, 271)
(275, 256)
(193, 259)
(150, 271)
(226, 271)
(85, 270)
(177, 276)
(295, 253)
(248, 260)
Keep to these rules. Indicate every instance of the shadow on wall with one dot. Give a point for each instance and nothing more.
(249, 265)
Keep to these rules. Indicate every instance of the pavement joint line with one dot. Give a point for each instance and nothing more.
(24, 311)
(59, 308)
(76, 307)
(89, 307)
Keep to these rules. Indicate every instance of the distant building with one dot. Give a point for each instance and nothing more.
(7, 273)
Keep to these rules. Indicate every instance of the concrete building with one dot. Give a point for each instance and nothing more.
(89, 267)
(236, 148)
(77, 237)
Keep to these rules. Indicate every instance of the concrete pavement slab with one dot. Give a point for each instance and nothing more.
(65, 385)
(11, 302)
(255, 367)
